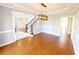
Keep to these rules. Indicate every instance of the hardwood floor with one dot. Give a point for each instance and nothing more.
(40, 44)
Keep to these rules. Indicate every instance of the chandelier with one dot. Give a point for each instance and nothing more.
(43, 16)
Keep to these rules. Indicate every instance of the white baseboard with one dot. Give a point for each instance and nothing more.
(21, 35)
(7, 43)
(52, 33)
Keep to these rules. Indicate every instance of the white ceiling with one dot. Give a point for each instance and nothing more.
(52, 8)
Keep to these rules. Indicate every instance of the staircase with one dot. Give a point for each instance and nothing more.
(32, 26)
(30, 30)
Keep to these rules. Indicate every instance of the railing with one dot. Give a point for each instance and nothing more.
(31, 23)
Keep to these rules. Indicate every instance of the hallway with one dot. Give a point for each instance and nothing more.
(39, 44)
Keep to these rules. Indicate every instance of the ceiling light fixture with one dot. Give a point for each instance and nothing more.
(43, 16)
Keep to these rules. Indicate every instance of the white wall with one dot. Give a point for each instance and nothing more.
(51, 26)
(7, 30)
(21, 19)
(75, 33)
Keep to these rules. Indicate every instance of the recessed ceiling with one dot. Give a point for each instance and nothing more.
(52, 8)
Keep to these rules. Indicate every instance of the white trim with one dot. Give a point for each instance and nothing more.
(75, 40)
(13, 18)
(50, 30)
(7, 43)
(20, 35)
(3, 32)
(7, 31)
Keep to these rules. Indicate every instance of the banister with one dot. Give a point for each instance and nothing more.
(31, 21)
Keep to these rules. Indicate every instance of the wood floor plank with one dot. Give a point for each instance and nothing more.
(40, 44)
